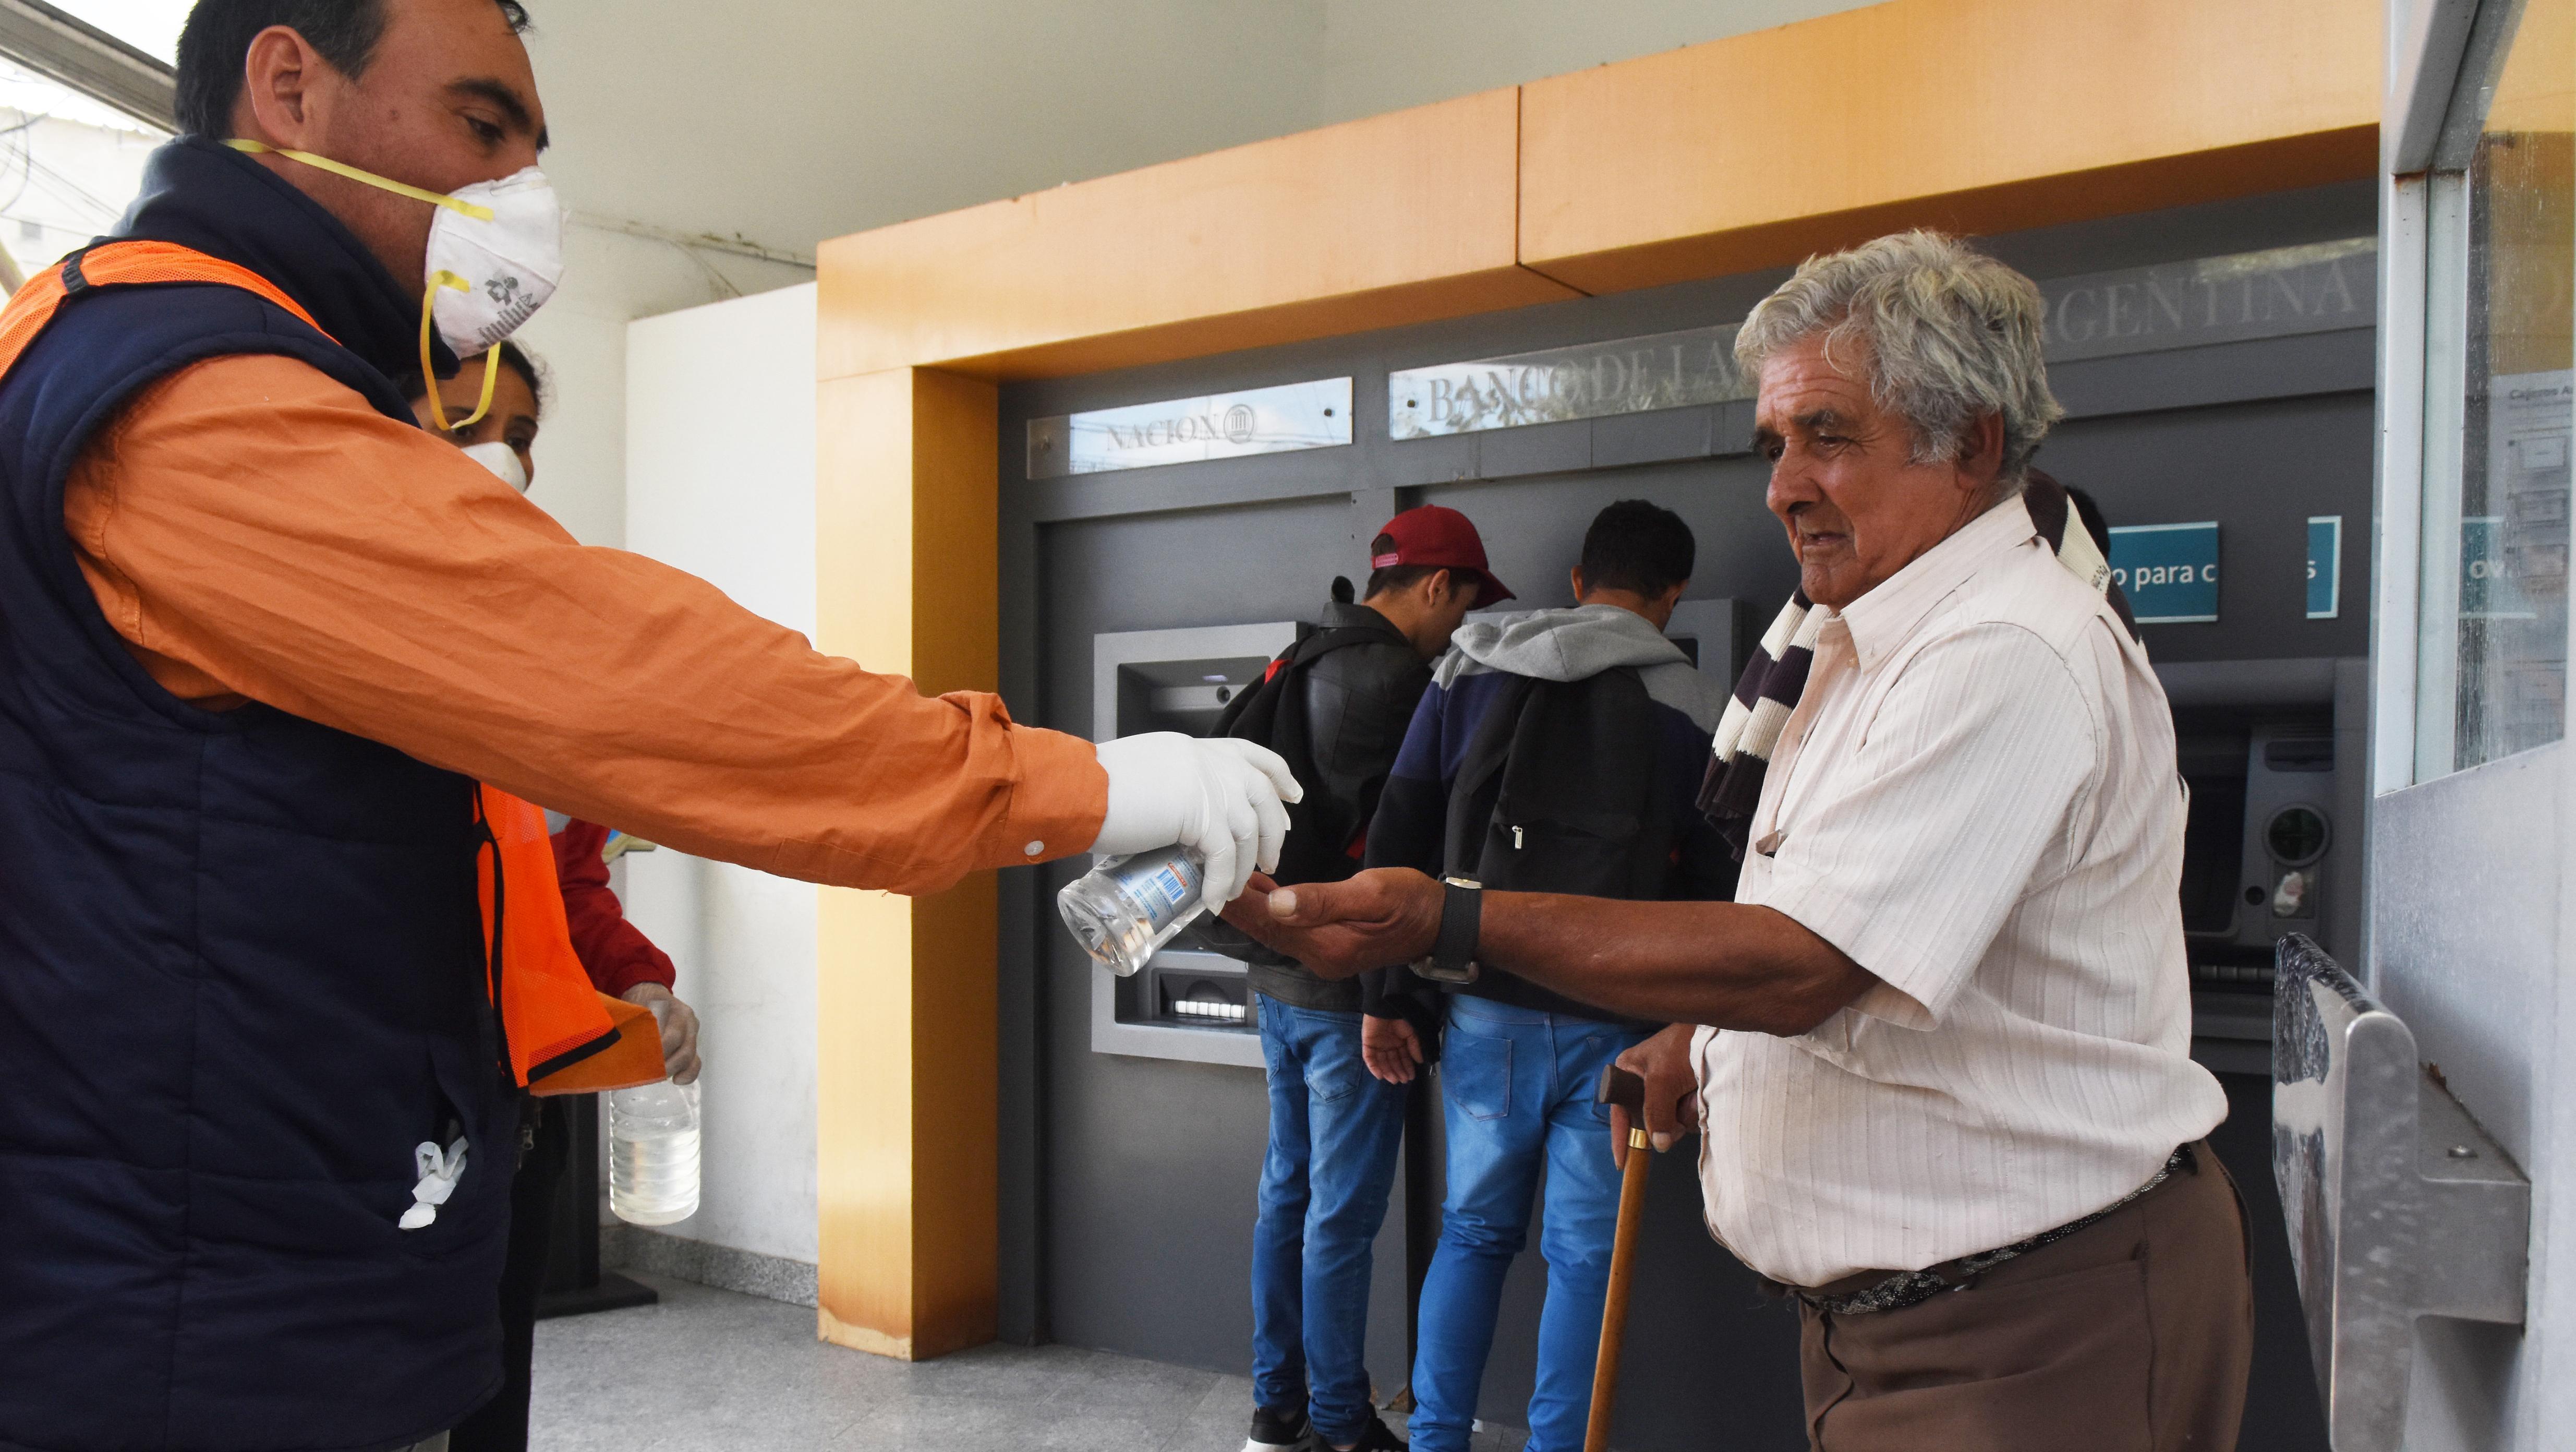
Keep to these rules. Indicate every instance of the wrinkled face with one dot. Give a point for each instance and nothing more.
(1843, 481)
(512, 421)
(448, 100)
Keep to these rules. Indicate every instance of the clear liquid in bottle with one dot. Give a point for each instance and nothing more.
(653, 1153)
(1123, 911)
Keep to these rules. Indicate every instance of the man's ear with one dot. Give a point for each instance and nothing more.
(276, 74)
(1576, 577)
(1981, 448)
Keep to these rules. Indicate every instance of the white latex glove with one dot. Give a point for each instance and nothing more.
(1221, 797)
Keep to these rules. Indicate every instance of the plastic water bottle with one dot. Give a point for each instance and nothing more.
(653, 1153)
(1124, 910)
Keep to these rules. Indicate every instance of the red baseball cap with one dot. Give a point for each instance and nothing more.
(1442, 538)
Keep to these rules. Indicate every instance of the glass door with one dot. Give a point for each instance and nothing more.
(2500, 406)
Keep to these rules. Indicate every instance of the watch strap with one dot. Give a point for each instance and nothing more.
(1453, 952)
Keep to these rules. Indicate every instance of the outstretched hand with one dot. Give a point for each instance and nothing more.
(1384, 916)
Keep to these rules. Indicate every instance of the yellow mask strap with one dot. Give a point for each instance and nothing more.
(341, 168)
(429, 371)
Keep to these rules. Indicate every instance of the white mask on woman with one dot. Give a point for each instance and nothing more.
(502, 460)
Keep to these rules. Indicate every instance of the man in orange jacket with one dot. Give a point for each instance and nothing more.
(260, 636)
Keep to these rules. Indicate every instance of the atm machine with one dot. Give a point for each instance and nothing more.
(2272, 754)
(1185, 1004)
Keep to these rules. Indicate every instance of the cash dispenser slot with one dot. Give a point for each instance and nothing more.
(1198, 990)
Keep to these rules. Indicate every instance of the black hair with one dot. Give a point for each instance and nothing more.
(1394, 577)
(513, 357)
(1639, 547)
(215, 45)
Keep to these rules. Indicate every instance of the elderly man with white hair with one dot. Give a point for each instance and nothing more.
(1943, 1077)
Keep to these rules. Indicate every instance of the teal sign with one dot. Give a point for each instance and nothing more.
(2487, 588)
(2325, 566)
(2168, 571)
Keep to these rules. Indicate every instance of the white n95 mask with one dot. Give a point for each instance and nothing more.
(495, 257)
(490, 273)
(502, 460)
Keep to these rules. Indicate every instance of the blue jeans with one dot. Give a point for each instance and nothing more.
(1517, 1088)
(1334, 1129)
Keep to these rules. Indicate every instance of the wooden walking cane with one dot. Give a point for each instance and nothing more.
(1626, 1090)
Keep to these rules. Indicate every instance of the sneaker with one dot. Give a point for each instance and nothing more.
(1277, 1431)
(1373, 1438)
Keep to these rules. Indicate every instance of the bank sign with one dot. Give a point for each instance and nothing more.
(2168, 571)
(2318, 287)
(1276, 420)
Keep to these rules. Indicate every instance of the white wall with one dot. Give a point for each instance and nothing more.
(720, 482)
(580, 337)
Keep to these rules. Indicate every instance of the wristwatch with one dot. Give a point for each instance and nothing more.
(1453, 953)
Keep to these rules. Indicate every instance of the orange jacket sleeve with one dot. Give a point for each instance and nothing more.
(254, 530)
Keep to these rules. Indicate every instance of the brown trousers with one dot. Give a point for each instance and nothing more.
(2131, 1335)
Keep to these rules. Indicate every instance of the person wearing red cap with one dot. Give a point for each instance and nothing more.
(1434, 537)
(1336, 706)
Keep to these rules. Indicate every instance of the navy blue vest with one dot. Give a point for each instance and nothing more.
(240, 952)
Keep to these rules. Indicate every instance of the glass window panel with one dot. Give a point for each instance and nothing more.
(68, 166)
(2496, 570)
(150, 26)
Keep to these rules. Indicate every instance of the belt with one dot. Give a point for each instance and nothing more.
(1910, 1288)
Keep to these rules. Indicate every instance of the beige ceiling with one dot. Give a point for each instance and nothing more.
(788, 121)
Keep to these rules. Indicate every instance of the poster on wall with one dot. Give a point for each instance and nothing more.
(2168, 571)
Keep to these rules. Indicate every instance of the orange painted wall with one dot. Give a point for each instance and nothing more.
(1974, 115)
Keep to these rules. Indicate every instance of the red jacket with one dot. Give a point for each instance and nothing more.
(614, 952)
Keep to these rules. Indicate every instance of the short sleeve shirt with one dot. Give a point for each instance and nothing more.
(1977, 800)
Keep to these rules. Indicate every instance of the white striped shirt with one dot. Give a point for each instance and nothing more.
(1977, 800)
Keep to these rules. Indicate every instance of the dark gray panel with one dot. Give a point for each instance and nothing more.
(1421, 461)
(1150, 1165)
(1555, 448)
(2260, 469)
(1215, 482)
(2213, 229)
(2196, 377)
(1652, 438)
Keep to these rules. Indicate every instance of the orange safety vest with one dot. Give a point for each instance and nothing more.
(563, 1036)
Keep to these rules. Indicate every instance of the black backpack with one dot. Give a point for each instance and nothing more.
(1557, 792)
(1320, 830)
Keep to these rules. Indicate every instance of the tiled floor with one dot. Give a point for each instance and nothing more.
(708, 1369)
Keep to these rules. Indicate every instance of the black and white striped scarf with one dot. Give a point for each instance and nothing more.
(1777, 674)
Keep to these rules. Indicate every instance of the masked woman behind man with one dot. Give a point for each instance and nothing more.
(619, 958)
